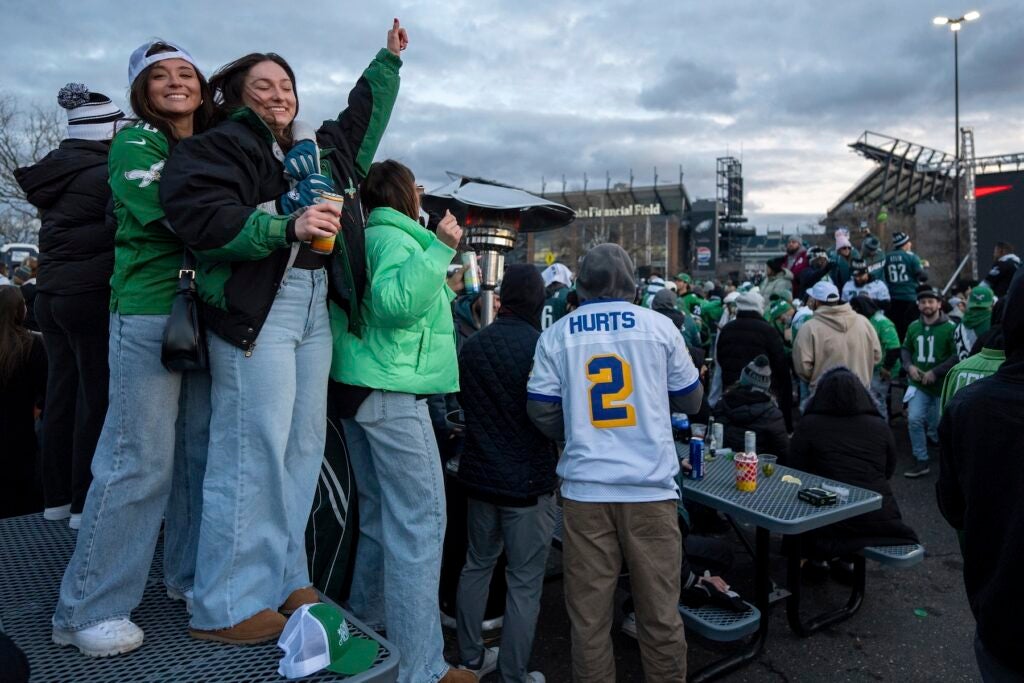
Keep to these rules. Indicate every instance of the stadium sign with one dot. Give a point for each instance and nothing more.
(653, 209)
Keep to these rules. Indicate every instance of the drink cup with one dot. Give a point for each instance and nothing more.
(698, 431)
(746, 472)
(768, 463)
(325, 245)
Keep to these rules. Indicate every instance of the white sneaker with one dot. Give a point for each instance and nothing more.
(489, 664)
(186, 597)
(110, 637)
(535, 677)
(629, 625)
(58, 513)
(76, 521)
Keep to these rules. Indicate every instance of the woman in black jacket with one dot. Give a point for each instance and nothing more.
(243, 197)
(843, 437)
(69, 188)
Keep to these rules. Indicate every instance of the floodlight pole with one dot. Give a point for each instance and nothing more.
(956, 136)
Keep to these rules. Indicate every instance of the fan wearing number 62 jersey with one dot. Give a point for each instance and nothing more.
(605, 378)
(609, 370)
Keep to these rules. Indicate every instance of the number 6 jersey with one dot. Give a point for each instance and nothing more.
(612, 365)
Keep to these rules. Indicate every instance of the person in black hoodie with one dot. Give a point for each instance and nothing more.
(747, 337)
(981, 492)
(748, 405)
(842, 436)
(69, 188)
(508, 468)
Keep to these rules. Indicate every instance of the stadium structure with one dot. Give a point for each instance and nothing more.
(912, 188)
(660, 225)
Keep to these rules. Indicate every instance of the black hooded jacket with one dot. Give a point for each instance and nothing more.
(76, 242)
(981, 487)
(744, 408)
(842, 436)
(505, 460)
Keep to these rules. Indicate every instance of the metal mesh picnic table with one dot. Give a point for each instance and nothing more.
(774, 505)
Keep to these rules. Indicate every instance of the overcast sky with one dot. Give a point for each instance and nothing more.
(519, 90)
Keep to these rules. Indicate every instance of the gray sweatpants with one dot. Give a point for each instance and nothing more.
(525, 535)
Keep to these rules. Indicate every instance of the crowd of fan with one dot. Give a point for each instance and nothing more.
(570, 389)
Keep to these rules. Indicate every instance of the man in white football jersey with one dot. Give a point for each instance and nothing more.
(605, 379)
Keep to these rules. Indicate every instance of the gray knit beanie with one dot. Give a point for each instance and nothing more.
(757, 374)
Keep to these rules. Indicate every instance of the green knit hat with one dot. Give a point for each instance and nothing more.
(778, 308)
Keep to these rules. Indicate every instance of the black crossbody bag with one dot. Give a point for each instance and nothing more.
(184, 343)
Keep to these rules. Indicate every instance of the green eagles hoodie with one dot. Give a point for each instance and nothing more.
(406, 339)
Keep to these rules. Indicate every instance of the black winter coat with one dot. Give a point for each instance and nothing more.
(76, 242)
(852, 445)
(980, 487)
(505, 459)
(743, 409)
(744, 339)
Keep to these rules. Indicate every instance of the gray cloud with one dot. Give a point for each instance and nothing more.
(523, 90)
(687, 84)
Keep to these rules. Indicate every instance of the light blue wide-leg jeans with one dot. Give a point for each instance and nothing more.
(139, 461)
(402, 522)
(267, 439)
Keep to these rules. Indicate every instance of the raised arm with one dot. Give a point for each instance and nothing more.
(359, 128)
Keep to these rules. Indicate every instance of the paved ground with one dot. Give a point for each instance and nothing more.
(885, 641)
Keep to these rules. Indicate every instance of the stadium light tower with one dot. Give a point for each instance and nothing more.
(955, 25)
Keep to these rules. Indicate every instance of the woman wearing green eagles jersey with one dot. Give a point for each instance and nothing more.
(152, 451)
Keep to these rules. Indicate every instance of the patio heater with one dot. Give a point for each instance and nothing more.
(492, 216)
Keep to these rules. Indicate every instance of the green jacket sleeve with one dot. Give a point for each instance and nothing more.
(359, 129)
(208, 194)
(405, 278)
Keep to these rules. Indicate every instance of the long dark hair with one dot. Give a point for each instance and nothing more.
(15, 340)
(390, 183)
(202, 118)
(228, 85)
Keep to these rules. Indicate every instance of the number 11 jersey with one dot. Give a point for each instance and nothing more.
(612, 365)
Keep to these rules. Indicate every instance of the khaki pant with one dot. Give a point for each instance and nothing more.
(596, 539)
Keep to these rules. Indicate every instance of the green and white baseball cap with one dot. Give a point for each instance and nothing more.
(318, 637)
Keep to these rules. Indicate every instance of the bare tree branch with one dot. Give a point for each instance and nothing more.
(25, 138)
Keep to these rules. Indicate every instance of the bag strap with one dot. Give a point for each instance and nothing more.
(187, 272)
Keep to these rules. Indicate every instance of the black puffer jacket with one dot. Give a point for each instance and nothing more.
(76, 243)
(743, 340)
(744, 408)
(843, 437)
(505, 460)
(980, 482)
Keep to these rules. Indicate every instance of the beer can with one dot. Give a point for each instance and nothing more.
(696, 458)
(749, 442)
(680, 427)
(470, 274)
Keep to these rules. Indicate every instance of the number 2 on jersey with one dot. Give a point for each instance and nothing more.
(612, 379)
